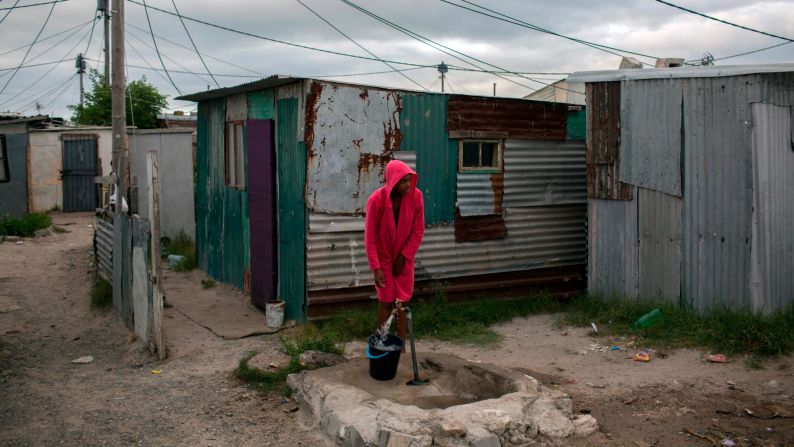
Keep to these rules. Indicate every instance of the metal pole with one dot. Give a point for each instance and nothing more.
(118, 114)
(494, 88)
(80, 70)
(442, 68)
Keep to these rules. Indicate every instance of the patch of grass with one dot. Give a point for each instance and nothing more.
(24, 226)
(753, 362)
(208, 283)
(101, 295)
(301, 339)
(182, 246)
(726, 331)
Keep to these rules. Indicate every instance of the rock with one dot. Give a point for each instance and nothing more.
(584, 425)
(41, 233)
(454, 428)
(12, 238)
(83, 360)
(772, 384)
(487, 441)
(399, 440)
(316, 359)
(268, 361)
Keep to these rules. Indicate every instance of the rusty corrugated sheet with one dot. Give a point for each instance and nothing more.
(530, 120)
(544, 173)
(650, 138)
(477, 194)
(537, 237)
(350, 136)
(773, 208)
(603, 143)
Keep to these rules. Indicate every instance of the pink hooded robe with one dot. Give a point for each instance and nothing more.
(384, 240)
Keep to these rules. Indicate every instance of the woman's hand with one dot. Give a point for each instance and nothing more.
(398, 266)
(380, 280)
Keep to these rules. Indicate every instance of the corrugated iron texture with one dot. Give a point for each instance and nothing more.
(408, 157)
(350, 135)
(261, 104)
(531, 120)
(423, 120)
(660, 245)
(576, 127)
(237, 107)
(773, 208)
(603, 143)
(122, 268)
(103, 246)
(232, 237)
(544, 173)
(650, 138)
(772, 88)
(299, 90)
(476, 196)
(291, 158)
(612, 244)
(14, 192)
(201, 191)
(543, 236)
(486, 227)
(216, 189)
(718, 184)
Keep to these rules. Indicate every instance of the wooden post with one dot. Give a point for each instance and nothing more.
(119, 114)
(156, 326)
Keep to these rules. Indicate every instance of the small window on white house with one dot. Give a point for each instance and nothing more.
(480, 156)
(235, 155)
(3, 160)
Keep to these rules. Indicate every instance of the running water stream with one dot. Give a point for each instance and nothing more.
(378, 339)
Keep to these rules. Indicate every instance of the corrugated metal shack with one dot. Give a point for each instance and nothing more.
(690, 177)
(285, 166)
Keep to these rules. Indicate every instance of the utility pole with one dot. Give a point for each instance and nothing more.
(80, 65)
(494, 88)
(443, 69)
(102, 7)
(118, 115)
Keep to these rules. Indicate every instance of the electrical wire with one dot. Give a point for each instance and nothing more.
(47, 20)
(198, 75)
(747, 28)
(159, 71)
(40, 64)
(364, 74)
(360, 46)
(514, 21)
(194, 44)
(9, 12)
(751, 52)
(57, 43)
(27, 102)
(47, 101)
(151, 31)
(283, 42)
(90, 36)
(10, 8)
(48, 37)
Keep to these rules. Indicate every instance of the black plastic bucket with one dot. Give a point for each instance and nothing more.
(383, 363)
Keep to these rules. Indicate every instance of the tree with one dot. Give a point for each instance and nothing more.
(143, 103)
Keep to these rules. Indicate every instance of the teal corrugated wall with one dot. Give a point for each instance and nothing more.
(232, 238)
(201, 191)
(291, 160)
(261, 105)
(577, 124)
(216, 180)
(423, 124)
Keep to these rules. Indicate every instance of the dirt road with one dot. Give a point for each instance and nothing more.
(118, 399)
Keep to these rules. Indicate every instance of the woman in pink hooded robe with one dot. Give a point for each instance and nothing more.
(393, 231)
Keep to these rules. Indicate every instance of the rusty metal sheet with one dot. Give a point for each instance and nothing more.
(237, 107)
(603, 143)
(476, 195)
(518, 118)
(544, 173)
(351, 133)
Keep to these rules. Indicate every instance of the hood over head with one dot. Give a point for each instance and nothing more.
(395, 171)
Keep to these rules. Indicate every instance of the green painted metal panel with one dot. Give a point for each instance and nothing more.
(291, 161)
(261, 105)
(423, 124)
(201, 191)
(577, 124)
(232, 236)
(217, 188)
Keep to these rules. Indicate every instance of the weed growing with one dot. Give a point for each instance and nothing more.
(24, 226)
(101, 295)
(208, 283)
(182, 246)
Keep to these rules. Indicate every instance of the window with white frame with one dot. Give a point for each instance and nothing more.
(3, 160)
(480, 156)
(235, 155)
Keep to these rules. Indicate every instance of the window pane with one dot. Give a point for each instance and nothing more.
(490, 158)
(471, 154)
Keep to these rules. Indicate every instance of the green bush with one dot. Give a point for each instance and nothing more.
(182, 246)
(101, 294)
(24, 226)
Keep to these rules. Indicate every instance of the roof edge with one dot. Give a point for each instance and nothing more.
(716, 71)
(269, 82)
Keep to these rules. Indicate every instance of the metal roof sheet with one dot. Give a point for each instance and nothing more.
(717, 71)
(269, 82)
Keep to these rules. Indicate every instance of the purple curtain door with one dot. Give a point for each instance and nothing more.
(261, 210)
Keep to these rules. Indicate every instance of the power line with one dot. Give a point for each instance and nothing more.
(194, 44)
(198, 75)
(41, 64)
(747, 28)
(47, 20)
(9, 11)
(344, 75)
(514, 21)
(283, 42)
(146, 10)
(157, 70)
(90, 36)
(752, 52)
(49, 37)
(359, 45)
(57, 44)
(10, 8)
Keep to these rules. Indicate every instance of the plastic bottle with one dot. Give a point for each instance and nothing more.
(648, 319)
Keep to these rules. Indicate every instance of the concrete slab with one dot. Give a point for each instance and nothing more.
(465, 404)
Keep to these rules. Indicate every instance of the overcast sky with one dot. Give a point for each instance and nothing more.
(643, 26)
